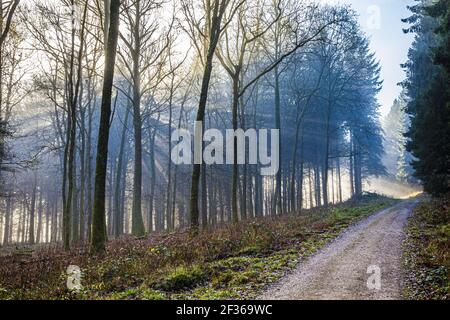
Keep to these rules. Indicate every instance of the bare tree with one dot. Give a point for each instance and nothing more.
(205, 31)
(98, 216)
(145, 45)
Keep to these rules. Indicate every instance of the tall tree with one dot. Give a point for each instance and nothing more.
(7, 11)
(430, 103)
(206, 30)
(145, 44)
(98, 215)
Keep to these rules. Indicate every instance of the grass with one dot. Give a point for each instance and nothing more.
(426, 254)
(226, 262)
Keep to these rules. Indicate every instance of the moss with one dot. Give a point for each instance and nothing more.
(234, 263)
(253, 250)
(4, 294)
(141, 293)
(223, 279)
(125, 295)
(230, 279)
(209, 293)
(183, 277)
(244, 277)
(150, 294)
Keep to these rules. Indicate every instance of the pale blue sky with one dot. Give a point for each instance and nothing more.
(381, 20)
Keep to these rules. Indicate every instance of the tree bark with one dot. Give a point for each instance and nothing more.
(150, 212)
(137, 223)
(40, 212)
(194, 210)
(7, 234)
(32, 212)
(98, 218)
(118, 223)
(277, 207)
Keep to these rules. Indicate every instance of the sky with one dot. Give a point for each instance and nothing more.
(381, 21)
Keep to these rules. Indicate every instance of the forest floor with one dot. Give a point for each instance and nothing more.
(231, 261)
(343, 268)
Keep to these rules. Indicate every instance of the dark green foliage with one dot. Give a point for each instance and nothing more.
(428, 88)
(430, 134)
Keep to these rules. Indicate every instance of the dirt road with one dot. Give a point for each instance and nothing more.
(368, 252)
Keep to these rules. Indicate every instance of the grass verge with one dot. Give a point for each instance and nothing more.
(426, 252)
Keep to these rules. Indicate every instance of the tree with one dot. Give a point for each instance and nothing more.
(207, 30)
(235, 54)
(430, 103)
(398, 159)
(7, 11)
(298, 66)
(145, 45)
(98, 219)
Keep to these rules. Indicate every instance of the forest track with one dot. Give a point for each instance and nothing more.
(340, 270)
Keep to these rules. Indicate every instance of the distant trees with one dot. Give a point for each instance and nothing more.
(10, 52)
(7, 12)
(427, 88)
(145, 43)
(74, 74)
(397, 159)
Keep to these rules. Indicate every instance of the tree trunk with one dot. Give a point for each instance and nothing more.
(137, 223)
(152, 183)
(277, 207)
(326, 158)
(82, 153)
(39, 226)
(338, 168)
(352, 183)
(204, 198)
(234, 190)
(214, 31)
(169, 207)
(358, 174)
(98, 215)
(118, 223)
(32, 212)
(193, 209)
(48, 215)
(7, 234)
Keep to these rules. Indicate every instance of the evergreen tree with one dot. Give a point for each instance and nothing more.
(398, 159)
(430, 104)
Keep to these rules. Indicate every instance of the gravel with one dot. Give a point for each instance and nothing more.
(342, 270)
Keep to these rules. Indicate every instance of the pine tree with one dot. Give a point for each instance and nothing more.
(430, 105)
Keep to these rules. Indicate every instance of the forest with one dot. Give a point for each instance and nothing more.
(314, 81)
(91, 93)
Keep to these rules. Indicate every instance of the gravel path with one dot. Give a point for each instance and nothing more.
(340, 270)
